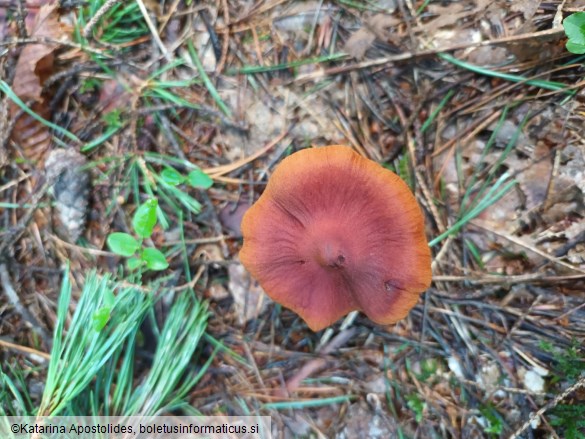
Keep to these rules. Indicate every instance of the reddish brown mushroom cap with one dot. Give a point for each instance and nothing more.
(335, 232)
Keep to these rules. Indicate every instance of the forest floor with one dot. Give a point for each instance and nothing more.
(476, 104)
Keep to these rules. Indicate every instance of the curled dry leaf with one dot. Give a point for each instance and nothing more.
(33, 137)
(301, 16)
(249, 298)
(69, 184)
(36, 60)
(376, 26)
(527, 7)
(359, 42)
(34, 66)
(364, 421)
(231, 217)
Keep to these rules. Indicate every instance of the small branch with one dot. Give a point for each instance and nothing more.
(317, 364)
(33, 353)
(20, 309)
(153, 31)
(552, 404)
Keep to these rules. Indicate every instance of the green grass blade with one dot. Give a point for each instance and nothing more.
(101, 139)
(427, 123)
(547, 85)
(488, 200)
(287, 405)
(208, 84)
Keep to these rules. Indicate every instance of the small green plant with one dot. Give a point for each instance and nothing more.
(417, 405)
(90, 85)
(569, 366)
(196, 178)
(126, 245)
(167, 184)
(571, 418)
(574, 26)
(569, 362)
(495, 425)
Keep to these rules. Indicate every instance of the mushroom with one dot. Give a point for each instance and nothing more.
(335, 232)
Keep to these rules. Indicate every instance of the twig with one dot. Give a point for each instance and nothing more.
(224, 169)
(428, 198)
(483, 225)
(153, 31)
(215, 223)
(6, 126)
(193, 281)
(508, 280)
(20, 19)
(424, 53)
(12, 234)
(47, 40)
(347, 322)
(20, 309)
(318, 363)
(552, 404)
(25, 349)
(514, 390)
(90, 251)
(226, 37)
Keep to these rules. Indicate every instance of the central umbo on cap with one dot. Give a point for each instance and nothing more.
(335, 232)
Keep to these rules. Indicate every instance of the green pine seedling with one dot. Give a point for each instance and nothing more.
(126, 245)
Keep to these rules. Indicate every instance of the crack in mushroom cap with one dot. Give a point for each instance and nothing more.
(335, 232)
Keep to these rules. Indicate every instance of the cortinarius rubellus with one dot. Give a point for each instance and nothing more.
(335, 232)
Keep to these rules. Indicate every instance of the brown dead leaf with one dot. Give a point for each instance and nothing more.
(34, 66)
(359, 42)
(535, 179)
(380, 24)
(249, 298)
(446, 16)
(32, 137)
(35, 63)
(231, 217)
(527, 7)
(364, 421)
(488, 56)
(376, 26)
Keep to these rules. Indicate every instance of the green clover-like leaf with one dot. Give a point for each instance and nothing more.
(172, 176)
(576, 48)
(122, 244)
(199, 179)
(134, 263)
(154, 258)
(574, 26)
(145, 218)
